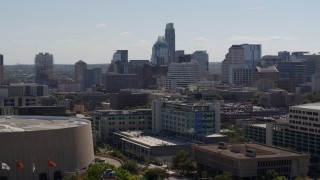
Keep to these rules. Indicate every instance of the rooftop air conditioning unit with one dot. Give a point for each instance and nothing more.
(222, 145)
(251, 153)
(235, 149)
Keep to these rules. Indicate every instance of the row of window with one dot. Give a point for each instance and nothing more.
(124, 117)
(274, 163)
(130, 122)
(304, 112)
(304, 118)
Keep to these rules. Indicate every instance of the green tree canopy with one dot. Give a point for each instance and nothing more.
(155, 174)
(131, 166)
(181, 161)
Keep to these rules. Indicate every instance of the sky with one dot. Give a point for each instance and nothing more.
(92, 30)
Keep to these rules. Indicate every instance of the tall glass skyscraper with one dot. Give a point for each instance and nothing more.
(170, 38)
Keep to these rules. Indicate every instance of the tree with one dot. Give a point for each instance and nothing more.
(95, 172)
(131, 166)
(181, 161)
(155, 174)
(270, 174)
(224, 176)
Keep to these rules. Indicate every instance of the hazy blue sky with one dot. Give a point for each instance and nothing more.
(91, 30)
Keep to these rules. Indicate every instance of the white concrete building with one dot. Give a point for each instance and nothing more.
(180, 75)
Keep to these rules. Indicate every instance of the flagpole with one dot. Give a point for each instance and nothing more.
(17, 171)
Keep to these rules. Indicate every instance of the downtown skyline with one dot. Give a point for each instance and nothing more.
(77, 30)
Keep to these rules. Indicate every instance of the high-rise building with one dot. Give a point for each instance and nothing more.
(183, 74)
(1, 69)
(80, 73)
(160, 52)
(120, 61)
(246, 54)
(44, 68)
(120, 55)
(294, 70)
(93, 77)
(115, 82)
(284, 55)
(170, 37)
(202, 58)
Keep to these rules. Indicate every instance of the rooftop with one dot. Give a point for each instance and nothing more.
(261, 151)
(151, 140)
(37, 123)
(311, 106)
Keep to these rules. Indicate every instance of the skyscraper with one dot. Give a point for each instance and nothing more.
(120, 61)
(80, 73)
(242, 58)
(202, 58)
(170, 38)
(44, 68)
(1, 69)
(160, 52)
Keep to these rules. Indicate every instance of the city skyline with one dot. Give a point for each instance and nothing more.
(78, 30)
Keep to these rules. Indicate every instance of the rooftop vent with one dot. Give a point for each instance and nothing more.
(251, 153)
(222, 145)
(235, 148)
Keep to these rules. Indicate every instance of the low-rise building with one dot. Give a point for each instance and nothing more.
(108, 121)
(249, 161)
(127, 99)
(276, 98)
(148, 146)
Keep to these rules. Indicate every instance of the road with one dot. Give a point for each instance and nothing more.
(110, 161)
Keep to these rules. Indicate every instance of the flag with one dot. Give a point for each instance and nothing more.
(33, 167)
(20, 165)
(51, 163)
(5, 166)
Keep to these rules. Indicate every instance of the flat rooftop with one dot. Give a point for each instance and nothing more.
(260, 125)
(311, 106)
(261, 151)
(37, 123)
(150, 140)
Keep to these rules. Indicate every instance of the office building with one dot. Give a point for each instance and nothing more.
(160, 52)
(276, 98)
(44, 68)
(192, 120)
(33, 140)
(127, 99)
(295, 70)
(247, 55)
(264, 77)
(80, 73)
(115, 82)
(1, 69)
(108, 121)
(120, 62)
(301, 132)
(145, 145)
(93, 77)
(284, 56)
(249, 161)
(170, 38)
(202, 58)
(180, 75)
(240, 75)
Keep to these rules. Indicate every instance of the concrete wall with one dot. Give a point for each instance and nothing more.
(70, 148)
